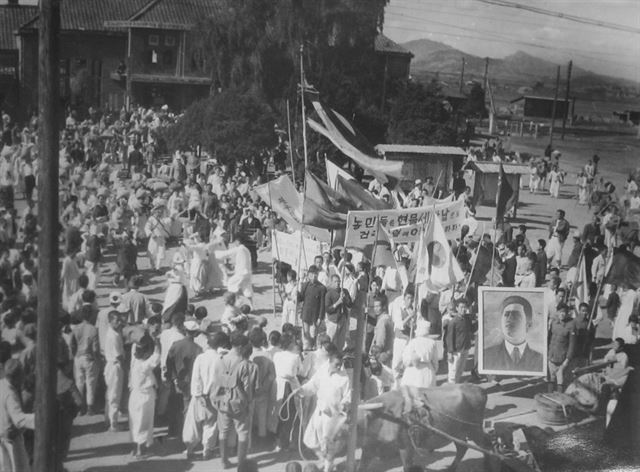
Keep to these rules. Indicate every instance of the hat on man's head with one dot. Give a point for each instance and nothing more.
(418, 182)
(518, 300)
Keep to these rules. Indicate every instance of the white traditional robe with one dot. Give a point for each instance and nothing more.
(142, 398)
(240, 281)
(420, 359)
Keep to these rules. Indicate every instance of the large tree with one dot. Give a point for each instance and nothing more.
(231, 125)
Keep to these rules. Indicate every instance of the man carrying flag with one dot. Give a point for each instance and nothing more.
(504, 196)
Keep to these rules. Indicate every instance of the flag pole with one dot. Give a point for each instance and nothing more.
(474, 264)
(293, 167)
(493, 252)
(304, 118)
(357, 369)
(274, 241)
(600, 285)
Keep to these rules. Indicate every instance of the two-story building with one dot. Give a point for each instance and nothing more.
(89, 52)
(12, 16)
(165, 60)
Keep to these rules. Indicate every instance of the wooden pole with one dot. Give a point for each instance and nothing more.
(48, 286)
(486, 73)
(462, 74)
(293, 167)
(566, 101)
(304, 119)
(357, 369)
(553, 110)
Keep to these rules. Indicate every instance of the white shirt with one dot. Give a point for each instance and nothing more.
(399, 311)
(113, 347)
(288, 366)
(332, 390)
(167, 338)
(141, 376)
(205, 372)
(242, 259)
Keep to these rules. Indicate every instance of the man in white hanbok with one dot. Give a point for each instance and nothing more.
(240, 282)
(198, 264)
(327, 425)
(143, 392)
(420, 359)
(157, 231)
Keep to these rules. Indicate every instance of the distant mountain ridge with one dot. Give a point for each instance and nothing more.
(432, 57)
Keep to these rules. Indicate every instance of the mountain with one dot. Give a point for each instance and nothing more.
(520, 68)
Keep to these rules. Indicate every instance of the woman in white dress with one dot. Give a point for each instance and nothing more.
(332, 388)
(420, 359)
(143, 391)
(197, 251)
(216, 277)
(291, 295)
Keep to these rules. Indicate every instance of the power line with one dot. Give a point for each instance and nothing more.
(564, 16)
(509, 39)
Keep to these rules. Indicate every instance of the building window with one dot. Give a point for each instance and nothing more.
(170, 41)
(167, 57)
(154, 40)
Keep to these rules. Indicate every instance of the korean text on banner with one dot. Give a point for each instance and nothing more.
(286, 248)
(362, 225)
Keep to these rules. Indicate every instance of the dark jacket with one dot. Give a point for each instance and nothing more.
(180, 359)
(458, 334)
(509, 272)
(497, 358)
(340, 313)
(312, 297)
(540, 268)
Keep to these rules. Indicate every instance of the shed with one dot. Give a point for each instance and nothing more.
(420, 162)
(485, 181)
(542, 107)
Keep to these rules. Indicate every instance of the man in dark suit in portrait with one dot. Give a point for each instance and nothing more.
(514, 352)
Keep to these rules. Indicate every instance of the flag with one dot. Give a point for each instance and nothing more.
(333, 171)
(322, 206)
(283, 198)
(482, 267)
(504, 195)
(581, 284)
(436, 265)
(352, 143)
(359, 198)
(624, 269)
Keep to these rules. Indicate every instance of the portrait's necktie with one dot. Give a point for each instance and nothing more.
(516, 355)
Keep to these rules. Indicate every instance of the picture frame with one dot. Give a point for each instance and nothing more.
(154, 40)
(170, 41)
(512, 331)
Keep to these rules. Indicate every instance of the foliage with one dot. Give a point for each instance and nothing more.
(231, 125)
(475, 106)
(420, 115)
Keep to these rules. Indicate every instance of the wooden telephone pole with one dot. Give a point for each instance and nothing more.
(566, 101)
(462, 74)
(553, 110)
(48, 285)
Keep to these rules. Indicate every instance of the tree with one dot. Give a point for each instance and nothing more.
(475, 106)
(232, 125)
(420, 115)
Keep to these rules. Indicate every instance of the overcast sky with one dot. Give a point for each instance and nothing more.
(488, 30)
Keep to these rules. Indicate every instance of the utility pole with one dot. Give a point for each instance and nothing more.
(566, 101)
(486, 73)
(48, 285)
(553, 110)
(462, 74)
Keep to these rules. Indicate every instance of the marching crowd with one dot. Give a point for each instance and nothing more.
(221, 381)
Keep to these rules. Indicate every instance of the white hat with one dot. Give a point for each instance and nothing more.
(576, 234)
(191, 325)
(122, 308)
(115, 298)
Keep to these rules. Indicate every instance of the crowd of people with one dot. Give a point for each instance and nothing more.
(222, 383)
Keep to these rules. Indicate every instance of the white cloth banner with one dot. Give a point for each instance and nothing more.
(362, 225)
(285, 247)
(333, 171)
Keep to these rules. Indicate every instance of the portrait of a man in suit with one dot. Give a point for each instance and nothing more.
(513, 352)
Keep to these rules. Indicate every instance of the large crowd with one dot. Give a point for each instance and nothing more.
(221, 383)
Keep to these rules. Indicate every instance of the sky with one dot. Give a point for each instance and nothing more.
(496, 31)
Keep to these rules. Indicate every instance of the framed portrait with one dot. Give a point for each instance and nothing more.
(512, 331)
(154, 40)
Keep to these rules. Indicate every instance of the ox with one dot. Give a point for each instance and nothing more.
(394, 419)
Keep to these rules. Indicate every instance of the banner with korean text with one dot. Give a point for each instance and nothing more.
(362, 226)
(286, 247)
